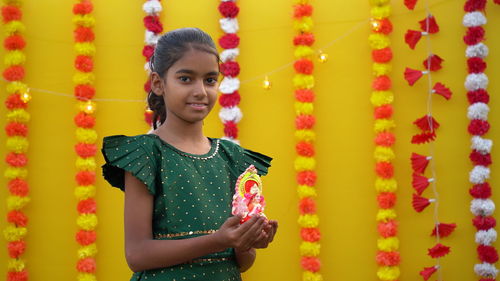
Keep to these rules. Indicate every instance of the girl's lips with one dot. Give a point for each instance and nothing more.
(197, 105)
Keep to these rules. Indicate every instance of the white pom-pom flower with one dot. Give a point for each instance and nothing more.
(486, 237)
(482, 145)
(479, 174)
(486, 270)
(474, 19)
(482, 207)
(231, 140)
(229, 25)
(146, 67)
(150, 38)
(479, 50)
(476, 81)
(230, 114)
(229, 54)
(478, 110)
(152, 7)
(228, 85)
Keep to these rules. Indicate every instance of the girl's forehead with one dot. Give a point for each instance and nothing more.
(197, 59)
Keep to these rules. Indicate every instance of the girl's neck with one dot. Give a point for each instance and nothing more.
(182, 134)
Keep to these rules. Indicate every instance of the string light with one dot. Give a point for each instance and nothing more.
(266, 84)
(322, 57)
(26, 97)
(88, 107)
(375, 24)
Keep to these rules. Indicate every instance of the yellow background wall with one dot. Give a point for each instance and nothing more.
(346, 202)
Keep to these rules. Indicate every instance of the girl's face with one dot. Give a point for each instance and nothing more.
(189, 87)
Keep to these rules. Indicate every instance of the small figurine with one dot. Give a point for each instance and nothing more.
(248, 199)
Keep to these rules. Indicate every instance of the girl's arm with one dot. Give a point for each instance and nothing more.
(143, 252)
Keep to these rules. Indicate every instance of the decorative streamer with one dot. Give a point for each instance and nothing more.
(17, 141)
(428, 126)
(154, 28)
(86, 136)
(303, 82)
(476, 82)
(382, 97)
(230, 114)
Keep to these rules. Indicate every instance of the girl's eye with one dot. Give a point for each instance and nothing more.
(184, 79)
(211, 81)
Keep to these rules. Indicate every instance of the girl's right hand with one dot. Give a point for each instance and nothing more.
(232, 234)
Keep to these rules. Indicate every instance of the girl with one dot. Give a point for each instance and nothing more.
(178, 183)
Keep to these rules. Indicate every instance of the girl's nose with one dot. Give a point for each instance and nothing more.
(200, 89)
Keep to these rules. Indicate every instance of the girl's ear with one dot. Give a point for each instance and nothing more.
(156, 84)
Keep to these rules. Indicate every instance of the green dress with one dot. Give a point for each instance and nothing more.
(192, 194)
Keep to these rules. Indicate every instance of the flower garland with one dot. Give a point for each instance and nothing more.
(305, 163)
(230, 114)
(154, 28)
(388, 257)
(476, 82)
(86, 136)
(17, 141)
(428, 126)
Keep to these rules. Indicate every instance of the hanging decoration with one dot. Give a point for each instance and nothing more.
(17, 140)
(382, 97)
(86, 136)
(428, 126)
(230, 114)
(154, 28)
(476, 83)
(303, 82)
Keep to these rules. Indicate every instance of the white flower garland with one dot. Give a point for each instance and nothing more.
(476, 83)
(229, 85)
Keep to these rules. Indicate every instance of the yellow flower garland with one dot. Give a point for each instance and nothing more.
(85, 135)
(382, 98)
(305, 163)
(17, 142)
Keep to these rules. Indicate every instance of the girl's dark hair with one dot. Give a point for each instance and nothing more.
(170, 48)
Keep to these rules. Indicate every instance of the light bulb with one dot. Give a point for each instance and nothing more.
(266, 84)
(322, 57)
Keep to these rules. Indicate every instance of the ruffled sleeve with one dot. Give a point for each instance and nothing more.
(242, 158)
(131, 154)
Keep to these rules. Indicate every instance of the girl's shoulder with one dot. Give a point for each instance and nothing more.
(241, 157)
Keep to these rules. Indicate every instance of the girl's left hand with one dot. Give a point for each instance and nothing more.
(267, 235)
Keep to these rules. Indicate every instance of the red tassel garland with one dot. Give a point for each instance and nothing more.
(423, 137)
(420, 183)
(412, 75)
(419, 203)
(442, 90)
(427, 123)
(444, 229)
(412, 37)
(433, 63)
(438, 251)
(429, 25)
(419, 162)
(410, 4)
(428, 271)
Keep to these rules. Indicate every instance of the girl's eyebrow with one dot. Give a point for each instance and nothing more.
(192, 72)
